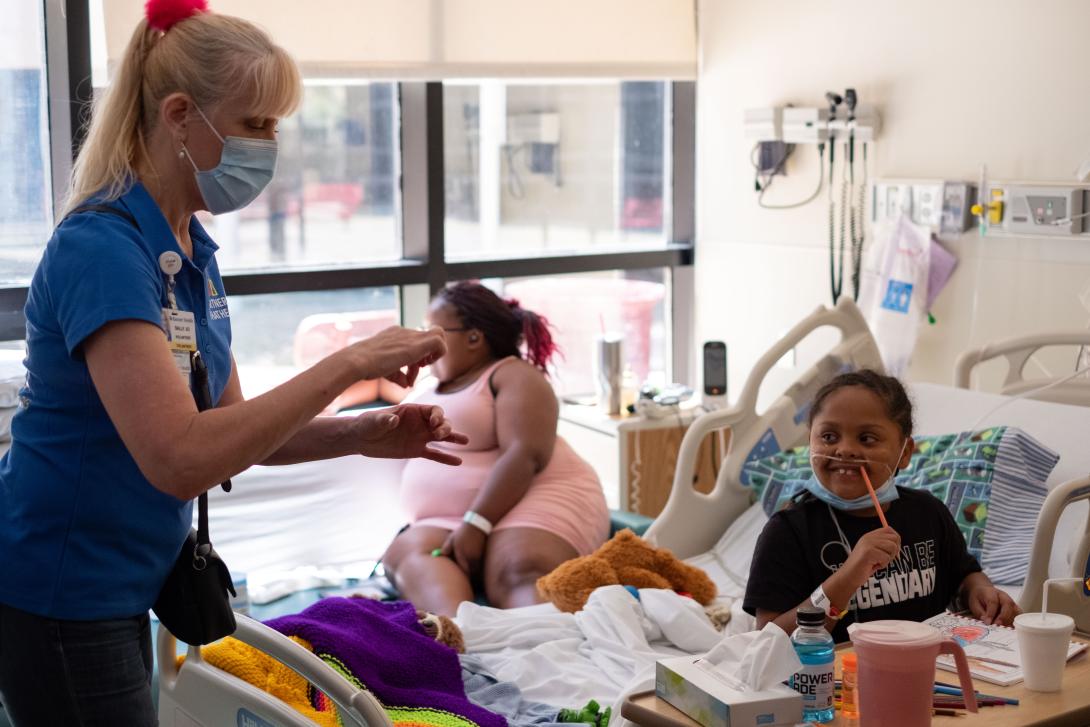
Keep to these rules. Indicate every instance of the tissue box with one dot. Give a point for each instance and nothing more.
(713, 703)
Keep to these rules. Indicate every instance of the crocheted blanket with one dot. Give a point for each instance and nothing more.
(374, 644)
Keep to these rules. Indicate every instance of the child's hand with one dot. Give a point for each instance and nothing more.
(874, 551)
(991, 605)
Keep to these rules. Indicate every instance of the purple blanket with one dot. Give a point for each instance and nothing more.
(384, 646)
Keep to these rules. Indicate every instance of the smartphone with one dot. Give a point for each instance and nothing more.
(715, 368)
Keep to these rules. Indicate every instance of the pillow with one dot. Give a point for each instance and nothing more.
(993, 482)
(727, 563)
(12, 377)
(6, 415)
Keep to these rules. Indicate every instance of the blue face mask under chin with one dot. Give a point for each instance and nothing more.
(887, 492)
(246, 167)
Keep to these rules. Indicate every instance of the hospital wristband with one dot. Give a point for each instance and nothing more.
(820, 600)
(478, 521)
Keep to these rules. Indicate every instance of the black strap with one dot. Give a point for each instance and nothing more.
(108, 210)
(203, 397)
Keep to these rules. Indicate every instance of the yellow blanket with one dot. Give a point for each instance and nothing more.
(269, 675)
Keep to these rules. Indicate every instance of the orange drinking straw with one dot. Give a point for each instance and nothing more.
(874, 498)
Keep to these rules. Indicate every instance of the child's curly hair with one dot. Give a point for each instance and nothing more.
(887, 388)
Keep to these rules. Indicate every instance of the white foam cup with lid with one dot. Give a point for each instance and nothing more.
(1043, 640)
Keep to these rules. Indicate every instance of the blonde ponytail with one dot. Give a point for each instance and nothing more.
(209, 57)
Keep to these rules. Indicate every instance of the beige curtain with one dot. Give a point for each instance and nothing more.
(436, 39)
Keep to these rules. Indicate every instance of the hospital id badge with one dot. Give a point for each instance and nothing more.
(181, 329)
(183, 364)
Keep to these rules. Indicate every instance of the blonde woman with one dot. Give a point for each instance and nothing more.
(109, 449)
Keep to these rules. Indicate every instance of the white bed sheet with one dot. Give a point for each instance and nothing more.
(333, 512)
(604, 652)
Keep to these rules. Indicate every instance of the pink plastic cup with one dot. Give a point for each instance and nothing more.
(897, 672)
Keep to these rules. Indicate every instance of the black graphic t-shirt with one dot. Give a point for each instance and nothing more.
(800, 547)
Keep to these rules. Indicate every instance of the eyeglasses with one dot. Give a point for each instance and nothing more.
(461, 329)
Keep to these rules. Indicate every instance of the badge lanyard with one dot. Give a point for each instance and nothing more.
(179, 326)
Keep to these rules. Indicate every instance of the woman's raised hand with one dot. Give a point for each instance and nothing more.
(406, 431)
(397, 354)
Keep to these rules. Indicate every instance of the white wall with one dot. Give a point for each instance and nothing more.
(958, 84)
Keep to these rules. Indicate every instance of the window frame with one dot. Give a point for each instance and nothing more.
(423, 266)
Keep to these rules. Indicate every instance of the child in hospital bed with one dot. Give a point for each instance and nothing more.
(828, 547)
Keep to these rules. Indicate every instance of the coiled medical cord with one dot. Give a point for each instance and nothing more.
(802, 203)
(857, 229)
(836, 282)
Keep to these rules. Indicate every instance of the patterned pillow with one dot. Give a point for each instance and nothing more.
(991, 480)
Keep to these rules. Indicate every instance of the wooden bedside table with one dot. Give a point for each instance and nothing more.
(1069, 707)
(646, 453)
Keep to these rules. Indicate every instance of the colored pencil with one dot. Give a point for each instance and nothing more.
(958, 704)
(956, 691)
(874, 497)
(988, 660)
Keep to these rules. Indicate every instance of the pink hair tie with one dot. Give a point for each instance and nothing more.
(163, 14)
(511, 303)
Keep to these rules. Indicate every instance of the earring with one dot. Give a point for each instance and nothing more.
(181, 155)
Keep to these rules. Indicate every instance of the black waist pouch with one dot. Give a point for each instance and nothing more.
(195, 601)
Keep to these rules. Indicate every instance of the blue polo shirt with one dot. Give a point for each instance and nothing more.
(83, 534)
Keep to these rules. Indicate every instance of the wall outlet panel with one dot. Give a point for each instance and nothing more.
(942, 205)
(1041, 209)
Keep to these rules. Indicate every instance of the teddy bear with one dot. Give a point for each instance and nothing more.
(443, 630)
(625, 560)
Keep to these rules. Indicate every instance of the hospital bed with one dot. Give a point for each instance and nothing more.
(692, 525)
(692, 522)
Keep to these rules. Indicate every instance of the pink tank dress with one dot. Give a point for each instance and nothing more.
(565, 498)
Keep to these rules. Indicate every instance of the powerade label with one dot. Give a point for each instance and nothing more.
(815, 684)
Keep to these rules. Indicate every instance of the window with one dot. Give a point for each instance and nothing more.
(582, 307)
(26, 193)
(277, 336)
(333, 200)
(388, 189)
(556, 167)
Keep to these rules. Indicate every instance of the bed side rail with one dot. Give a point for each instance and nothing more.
(357, 706)
(692, 522)
(1017, 352)
(1055, 503)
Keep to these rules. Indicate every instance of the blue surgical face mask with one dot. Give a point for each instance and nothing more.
(887, 492)
(246, 167)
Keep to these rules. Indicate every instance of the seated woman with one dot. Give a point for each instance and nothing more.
(523, 501)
